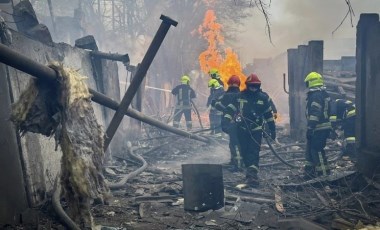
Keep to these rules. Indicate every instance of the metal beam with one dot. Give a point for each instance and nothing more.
(138, 78)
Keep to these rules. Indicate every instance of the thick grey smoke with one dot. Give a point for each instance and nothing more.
(295, 22)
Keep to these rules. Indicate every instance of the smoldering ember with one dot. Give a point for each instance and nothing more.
(192, 114)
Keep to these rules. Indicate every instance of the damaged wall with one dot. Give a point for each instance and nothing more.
(40, 161)
(367, 94)
(301, 61)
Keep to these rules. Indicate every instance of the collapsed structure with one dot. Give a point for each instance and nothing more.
(34, 163)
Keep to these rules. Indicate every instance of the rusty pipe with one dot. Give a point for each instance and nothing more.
(124, 58)
(29, 66)
(138, 78)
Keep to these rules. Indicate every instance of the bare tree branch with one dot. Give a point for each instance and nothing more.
(264, 10)
(350, 12)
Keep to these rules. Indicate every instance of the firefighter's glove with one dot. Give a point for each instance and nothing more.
(275, 116)
(309, 134)
(273, 135)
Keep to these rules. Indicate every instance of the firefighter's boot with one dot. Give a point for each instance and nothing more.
(309, 172)
(251, 177)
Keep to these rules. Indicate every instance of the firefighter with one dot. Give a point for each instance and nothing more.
(214, 74)
(249, 111)
(215, 116)
(343, 113)
(221, 104)
(318, 126)
(184, 94)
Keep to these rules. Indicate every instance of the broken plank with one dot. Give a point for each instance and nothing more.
(250, 199)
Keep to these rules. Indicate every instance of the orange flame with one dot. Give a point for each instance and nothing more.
(212, 58)
(231, 66)
(211, 31)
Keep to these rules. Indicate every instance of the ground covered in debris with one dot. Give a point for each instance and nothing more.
(154, 198)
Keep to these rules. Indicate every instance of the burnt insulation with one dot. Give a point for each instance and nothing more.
(63, 109)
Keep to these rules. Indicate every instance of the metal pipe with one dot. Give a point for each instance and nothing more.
(138, 78)
(124, 58)
(29, 66)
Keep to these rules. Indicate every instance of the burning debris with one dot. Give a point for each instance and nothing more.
(69, 116)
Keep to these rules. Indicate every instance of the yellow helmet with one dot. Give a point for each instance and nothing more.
(314, 79)
(213, 83)
(214, 73)
(185, 79)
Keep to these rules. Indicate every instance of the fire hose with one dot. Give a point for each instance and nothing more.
(197, 112)
(58, 208)
(278, 156)
(121, 184)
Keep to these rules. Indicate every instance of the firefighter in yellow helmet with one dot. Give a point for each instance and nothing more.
(214, 74)
(318, 126)
(215, 116)
(343, 114)
(184, 93)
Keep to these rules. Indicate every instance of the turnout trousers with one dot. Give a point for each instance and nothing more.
(316, 161)
(236, 157)
(250, 144)
(178, 115)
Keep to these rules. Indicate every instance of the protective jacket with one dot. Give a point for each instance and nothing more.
(341, 109)
(274, 109)
(250, 110)
(184, 93)
(214, 95)
(317, 109)
(227, 98)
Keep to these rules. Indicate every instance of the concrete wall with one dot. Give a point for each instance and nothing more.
(367, 94)
(40, 163)
(301, 61)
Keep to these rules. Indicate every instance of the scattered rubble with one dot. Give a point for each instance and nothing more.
(154, 198)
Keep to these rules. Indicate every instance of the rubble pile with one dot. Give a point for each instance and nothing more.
(154, 199)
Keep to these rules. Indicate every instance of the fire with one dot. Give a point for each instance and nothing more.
(231, 66)
(211, 31)
(227, 66)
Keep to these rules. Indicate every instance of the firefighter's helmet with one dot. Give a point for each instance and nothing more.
(234, 81)
(213, 83)
(214, 73)
(253, 79)
(185, 79)
(314, 79)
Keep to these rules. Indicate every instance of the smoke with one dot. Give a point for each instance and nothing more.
(295, 22)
